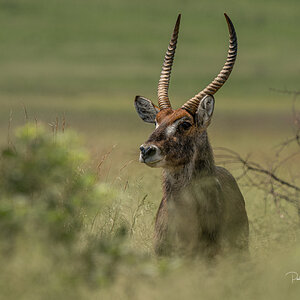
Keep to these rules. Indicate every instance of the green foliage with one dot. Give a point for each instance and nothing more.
(48, 196)
(42, 180)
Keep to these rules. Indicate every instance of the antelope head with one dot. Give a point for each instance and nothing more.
(173, 142)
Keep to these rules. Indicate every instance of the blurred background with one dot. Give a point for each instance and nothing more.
(88, 59)
(80, 63)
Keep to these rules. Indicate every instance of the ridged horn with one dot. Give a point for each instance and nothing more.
(192, 104)
(163, 84)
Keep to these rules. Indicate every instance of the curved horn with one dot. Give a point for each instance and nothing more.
(192, 104)
(163, 84)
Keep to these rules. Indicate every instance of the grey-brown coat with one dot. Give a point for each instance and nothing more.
(202, 209)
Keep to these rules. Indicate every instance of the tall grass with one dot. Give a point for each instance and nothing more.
(65, 235)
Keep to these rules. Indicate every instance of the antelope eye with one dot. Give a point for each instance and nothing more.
(185, 125)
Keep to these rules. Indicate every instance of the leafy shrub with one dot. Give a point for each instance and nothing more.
(42, 179)
(48, 197)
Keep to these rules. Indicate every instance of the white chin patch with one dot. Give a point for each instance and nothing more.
(155, 164)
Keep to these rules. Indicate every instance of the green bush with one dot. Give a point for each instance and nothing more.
(48, 197)
(42, 179)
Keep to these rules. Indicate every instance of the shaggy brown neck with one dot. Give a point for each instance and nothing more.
(201, 165)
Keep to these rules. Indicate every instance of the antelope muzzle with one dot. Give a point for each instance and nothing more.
(150, 155)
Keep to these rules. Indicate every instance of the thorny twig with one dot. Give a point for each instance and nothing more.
(269, 181)
(255, 167)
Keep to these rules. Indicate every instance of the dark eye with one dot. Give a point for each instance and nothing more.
(185, 125)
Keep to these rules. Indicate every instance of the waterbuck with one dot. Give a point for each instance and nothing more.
(202, 209)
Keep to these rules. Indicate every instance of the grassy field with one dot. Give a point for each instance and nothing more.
(84, 61)
(115, 48)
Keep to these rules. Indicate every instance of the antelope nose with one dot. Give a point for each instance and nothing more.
(147, 151)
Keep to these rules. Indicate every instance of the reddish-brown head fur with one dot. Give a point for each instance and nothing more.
(173, 136)
(174, 141)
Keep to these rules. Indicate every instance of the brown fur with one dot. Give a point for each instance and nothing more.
(202, 209)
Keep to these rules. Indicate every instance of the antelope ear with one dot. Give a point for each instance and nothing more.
(146, 109)
(205, 111)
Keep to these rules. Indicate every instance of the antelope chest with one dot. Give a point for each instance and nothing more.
(196, 209)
